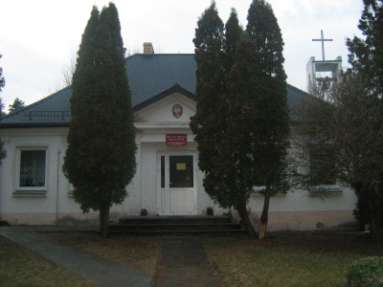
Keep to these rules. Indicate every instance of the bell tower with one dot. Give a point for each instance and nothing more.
(323, 74)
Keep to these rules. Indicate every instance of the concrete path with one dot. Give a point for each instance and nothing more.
(102, 273)
(183, 263)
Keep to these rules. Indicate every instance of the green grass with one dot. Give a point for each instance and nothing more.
(138, 253)
(292, 259)
(20, 268)
(285, 261)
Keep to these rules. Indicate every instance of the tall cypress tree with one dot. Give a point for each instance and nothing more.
(100, 159)
(208, 122)
(237, 165)
(271, 127)
(227, 180)
(232, 37)
(239, 158)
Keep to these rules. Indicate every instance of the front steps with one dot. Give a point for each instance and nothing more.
(177, 225)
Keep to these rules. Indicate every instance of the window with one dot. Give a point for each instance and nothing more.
(32, 168)
(322, 165)
(181, 171)
(162, 171)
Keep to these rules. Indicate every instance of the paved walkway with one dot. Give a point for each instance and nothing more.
(102, 273)
(183, 263)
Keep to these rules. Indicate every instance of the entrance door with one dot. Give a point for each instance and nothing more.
(177, 184)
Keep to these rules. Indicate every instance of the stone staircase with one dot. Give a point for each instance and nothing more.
(177, 225)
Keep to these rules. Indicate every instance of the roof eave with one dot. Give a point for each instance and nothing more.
(172, 90)
(32, 125)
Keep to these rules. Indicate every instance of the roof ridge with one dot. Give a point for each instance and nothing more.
(161, 54)
(298, 89)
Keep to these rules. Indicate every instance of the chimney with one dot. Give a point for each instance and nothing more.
(148, 49)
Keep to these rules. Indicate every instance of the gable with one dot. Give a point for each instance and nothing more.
(165, 110)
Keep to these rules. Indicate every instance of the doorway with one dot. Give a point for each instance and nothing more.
(177, 192)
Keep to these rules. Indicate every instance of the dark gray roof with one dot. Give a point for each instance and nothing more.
(149, 78)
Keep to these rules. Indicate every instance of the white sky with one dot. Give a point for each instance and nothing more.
(40, 38)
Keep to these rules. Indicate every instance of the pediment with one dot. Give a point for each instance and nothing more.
(174, 108)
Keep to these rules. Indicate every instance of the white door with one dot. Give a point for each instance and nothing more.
(176, 184)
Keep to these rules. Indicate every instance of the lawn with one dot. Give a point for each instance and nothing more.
(288, 259)
(20, 268)
(138, 253)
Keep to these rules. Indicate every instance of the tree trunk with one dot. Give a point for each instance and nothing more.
(104, 221)
(376, 216)
(265, 215)
(362, 212)
(376, 231)
(244, 214)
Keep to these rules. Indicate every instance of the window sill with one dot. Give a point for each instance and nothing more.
(25, 193)
(325, 190)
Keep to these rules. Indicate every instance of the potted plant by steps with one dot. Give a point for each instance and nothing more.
(210, 211)
(144, 212)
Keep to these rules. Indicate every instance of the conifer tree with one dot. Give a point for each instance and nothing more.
(232, 37)
(271, 127)
(17, 105)
(366, 75)
(226, 180)
(366, 53)
(240, 148)
(208, 121)
(100, 159)
(240, 84)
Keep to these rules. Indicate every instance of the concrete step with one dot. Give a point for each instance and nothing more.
(180, 231)
(184, 220)
(205, 226)
(177, 225)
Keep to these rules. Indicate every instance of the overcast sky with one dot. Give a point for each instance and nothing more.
(39, 39)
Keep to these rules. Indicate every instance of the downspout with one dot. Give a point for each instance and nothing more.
(58, 185)
(1, 184)
(1, 177)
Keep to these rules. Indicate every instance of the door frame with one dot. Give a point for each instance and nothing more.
(162, 207)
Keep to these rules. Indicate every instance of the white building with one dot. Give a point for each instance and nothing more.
(34, 190)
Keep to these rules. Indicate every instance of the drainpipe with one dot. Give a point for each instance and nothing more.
(58, 185)
(1, 174)
(2, 170)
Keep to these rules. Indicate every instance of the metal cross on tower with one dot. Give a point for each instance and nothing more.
(322, 39)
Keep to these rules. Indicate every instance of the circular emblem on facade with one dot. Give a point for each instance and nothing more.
(177, 111)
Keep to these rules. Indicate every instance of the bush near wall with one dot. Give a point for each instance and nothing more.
(366, 272)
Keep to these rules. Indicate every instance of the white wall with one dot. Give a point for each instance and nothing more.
(42, 210)
(295, 210)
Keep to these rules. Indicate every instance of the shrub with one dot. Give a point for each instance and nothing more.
(144, 212)
(210, 211)
(366, 272)
(3, 223)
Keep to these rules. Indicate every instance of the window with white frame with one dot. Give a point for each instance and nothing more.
(322, 165)
(32, 168)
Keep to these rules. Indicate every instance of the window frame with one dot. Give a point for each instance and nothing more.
(192, 182)
(18, 169)
(313, 152)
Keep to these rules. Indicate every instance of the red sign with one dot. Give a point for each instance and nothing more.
(176, 139)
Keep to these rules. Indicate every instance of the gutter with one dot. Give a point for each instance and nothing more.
(32, 125)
